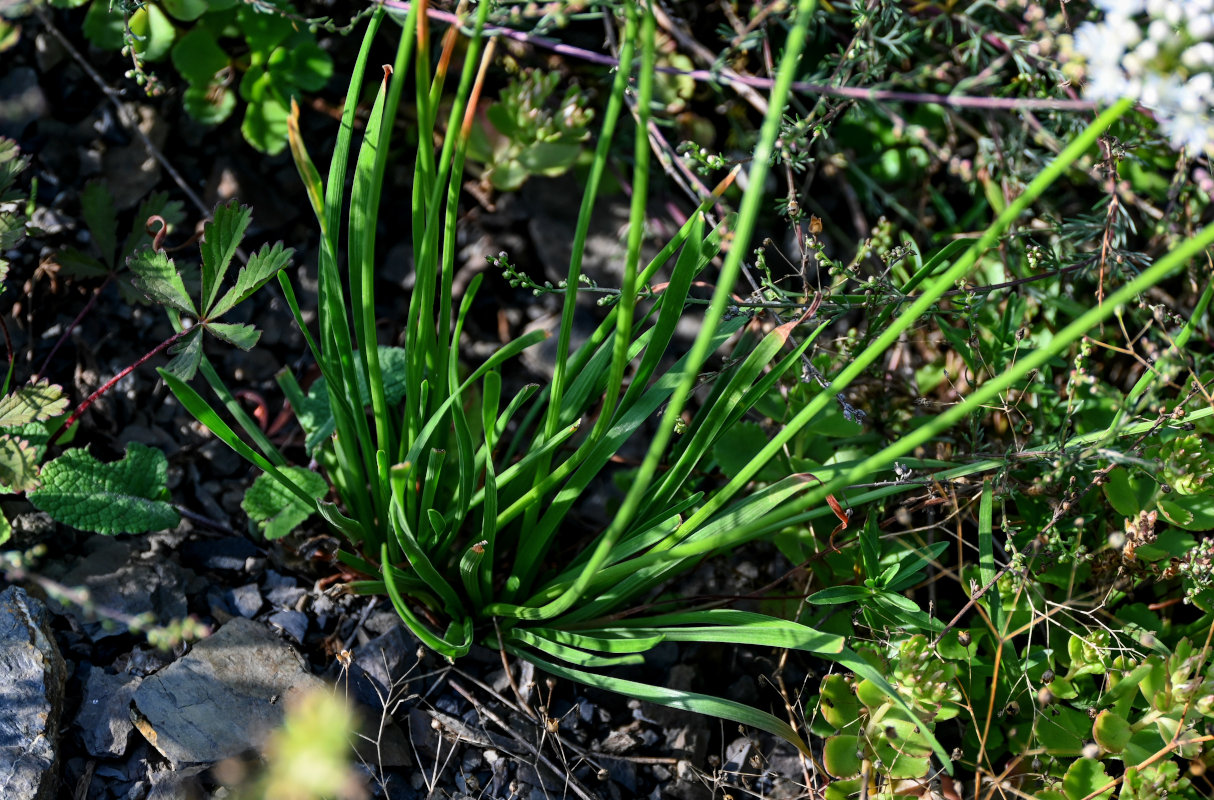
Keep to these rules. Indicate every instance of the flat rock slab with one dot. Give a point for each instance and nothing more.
(32, 676)
(222, 698)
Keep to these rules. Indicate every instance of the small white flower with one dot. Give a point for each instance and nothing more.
(1127, 8)
(1198, 57)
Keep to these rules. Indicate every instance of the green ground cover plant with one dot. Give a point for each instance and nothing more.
(263, 52)
(976, 420)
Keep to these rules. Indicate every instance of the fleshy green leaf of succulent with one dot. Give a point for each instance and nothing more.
(125, 496)
(1155, 782)
(1188, 464)
(842, 756)
(97, 205)
(220, 240)
(18, 465)
(263, 266)
(1111, 731)
(277, 511)
(33, 402)
(838, 703)
(157, 276)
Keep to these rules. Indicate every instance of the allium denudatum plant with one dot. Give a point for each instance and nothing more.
(457, 510)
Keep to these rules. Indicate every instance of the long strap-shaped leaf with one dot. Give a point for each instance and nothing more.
(721, 298)
(671, 698)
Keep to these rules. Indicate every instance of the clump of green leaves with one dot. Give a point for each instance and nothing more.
(222, 48)
(877, 738)
(128, 496)
(526, 132)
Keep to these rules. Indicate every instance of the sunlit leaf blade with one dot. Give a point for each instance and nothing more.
(126, 496)
(572, 654)
(303, 162)
(18, 465)
(221, 237)
(38, 401)
(263, 266)
(188, 354)
(156, 276)
(687, 701)
(100, 215)
(238, 334)
(278, 511)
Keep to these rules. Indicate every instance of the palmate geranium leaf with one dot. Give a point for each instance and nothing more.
(100, 215)
(220, 239)
(156, 276)
(42, 400)
(275, 509)
(125, 496)
(241, 335)
(18, 465)
(264, 265)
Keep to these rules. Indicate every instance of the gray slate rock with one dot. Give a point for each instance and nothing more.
(223, 697)
(105, 712)
(118, 582)
(32, 677)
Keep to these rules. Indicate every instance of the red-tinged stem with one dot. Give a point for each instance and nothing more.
(41, 373)
(92, 398)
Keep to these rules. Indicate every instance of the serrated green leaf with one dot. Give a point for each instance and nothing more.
(278, 511)
(124, 496)
(1085, 778)
(39, 401)
(97, 206)
(76, 264)
(220, 239)
(263, 266)
(18, 465)
(156, 276)
(242, 335)
(188, 355)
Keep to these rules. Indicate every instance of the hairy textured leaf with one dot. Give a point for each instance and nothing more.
(42, 400)
(220, 238)
(263, 266)
(316, 416)
(156, 276)
(18, 465)
(97, 205)
(241, 335)
(278, 511)
(124, 496)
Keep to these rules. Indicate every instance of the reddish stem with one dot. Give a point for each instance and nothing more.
(92, 398)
